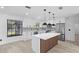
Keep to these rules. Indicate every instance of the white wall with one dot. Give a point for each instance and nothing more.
(29, 22)
(76, 28)
(75, 18)
(69, 35)
(72, 23)
(3, 28)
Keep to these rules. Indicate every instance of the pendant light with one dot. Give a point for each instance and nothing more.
(44, 23)
(53, 20)
(44, 14)
(49, 15)
(49, 24)
(44, 17)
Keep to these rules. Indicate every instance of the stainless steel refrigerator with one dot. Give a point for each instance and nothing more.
(60, 28)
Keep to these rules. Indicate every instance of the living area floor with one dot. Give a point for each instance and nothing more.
(25, 47)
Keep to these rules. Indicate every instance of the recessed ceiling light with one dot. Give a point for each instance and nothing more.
(2, 7)
(26, 13)
(60, 8)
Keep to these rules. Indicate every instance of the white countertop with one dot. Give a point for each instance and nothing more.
(46, 36)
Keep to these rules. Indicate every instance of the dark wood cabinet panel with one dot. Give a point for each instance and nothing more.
(45, 45)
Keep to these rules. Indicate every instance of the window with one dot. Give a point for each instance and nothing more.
(14, 28)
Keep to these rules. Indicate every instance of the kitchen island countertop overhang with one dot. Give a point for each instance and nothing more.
(46, 36)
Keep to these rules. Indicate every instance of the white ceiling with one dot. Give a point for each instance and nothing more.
(36, 12)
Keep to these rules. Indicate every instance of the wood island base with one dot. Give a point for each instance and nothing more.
(46, 45)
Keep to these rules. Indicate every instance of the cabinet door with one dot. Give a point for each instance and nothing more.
(45, 45)
(50, 43)
(42, 46)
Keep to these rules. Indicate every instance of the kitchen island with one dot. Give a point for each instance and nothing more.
(41, 43)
